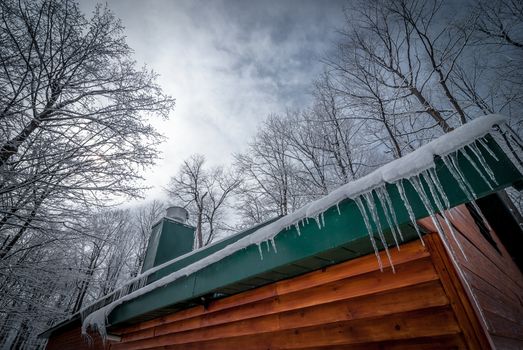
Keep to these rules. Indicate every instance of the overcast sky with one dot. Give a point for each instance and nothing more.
(228, 64)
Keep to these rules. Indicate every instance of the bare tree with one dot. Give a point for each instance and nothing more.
(143, 218)
(73, 111)
(499, 22)
(74, 132)
(204, 192)
(399, 51)
(269, 169)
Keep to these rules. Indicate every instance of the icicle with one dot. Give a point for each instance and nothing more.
(428, 206)
(477, 152)
(318, 222)
(458, 176)
(260, 250)
(273, 243)
(440, 190)
(406, 203)
(392, 212)
(381, 198)
(322, 216)
(338, 207)
(475, 166)
(484, 142)
(363, 212)
(440, 208)
(297, 226)
(456, 173)
(374, 214)
(504, 143)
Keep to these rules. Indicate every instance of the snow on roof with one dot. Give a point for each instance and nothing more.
(407, 167)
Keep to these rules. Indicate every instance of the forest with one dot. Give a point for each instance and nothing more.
(76, 134)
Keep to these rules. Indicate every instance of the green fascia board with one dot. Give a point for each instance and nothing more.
(343, 229)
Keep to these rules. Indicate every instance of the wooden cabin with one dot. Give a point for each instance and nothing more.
(319, 286)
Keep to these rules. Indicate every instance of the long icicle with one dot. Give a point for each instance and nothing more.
(363, 212)
(426, 203)
(407, 205)
(474, 148)
(460, 178)
(381, 199)
(484, 142)
(437, 183)
(374, 214)
(451, 160)
(475, 166)
(439, 206)
(392, 211)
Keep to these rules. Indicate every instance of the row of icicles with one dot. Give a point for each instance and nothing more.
(366, 202)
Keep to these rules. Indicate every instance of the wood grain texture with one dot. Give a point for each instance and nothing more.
(351, 304)
(494, 284)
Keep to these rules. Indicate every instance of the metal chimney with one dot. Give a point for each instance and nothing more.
(178, 214)
(170, 238)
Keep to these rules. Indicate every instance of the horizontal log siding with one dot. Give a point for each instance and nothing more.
(351, 305)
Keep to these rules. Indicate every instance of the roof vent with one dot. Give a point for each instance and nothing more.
(178, 214)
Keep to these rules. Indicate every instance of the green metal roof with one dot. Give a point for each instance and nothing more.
(344, 236)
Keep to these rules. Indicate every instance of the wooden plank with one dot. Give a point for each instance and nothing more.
(495, 281)
(445, 342)
(412, 298)
(476, 260)
(409, 252)
(506, 343)
(504, 327)
(465, 225)
(481, 266)
(499, 307)
(434, 322)
(479, 283)
(473, 330)
(406, 275)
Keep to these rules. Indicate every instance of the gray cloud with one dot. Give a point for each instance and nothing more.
(228, 64)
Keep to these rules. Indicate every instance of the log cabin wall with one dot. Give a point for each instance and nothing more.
(353, 305)
(492, 278)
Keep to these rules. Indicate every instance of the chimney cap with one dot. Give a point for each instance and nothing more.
(177, 213)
